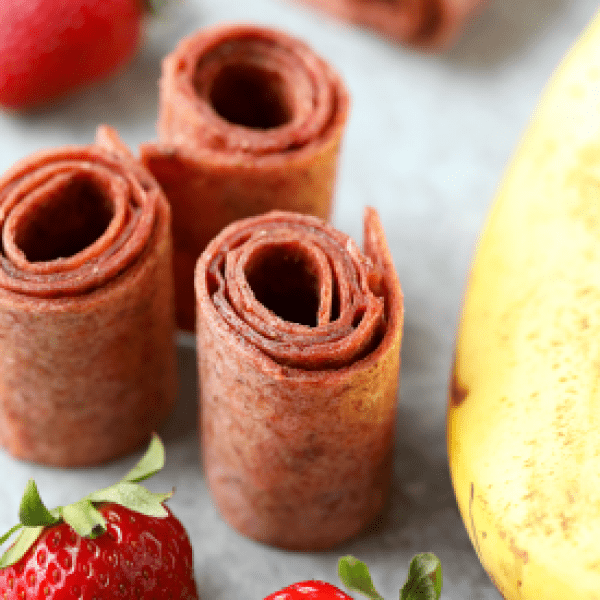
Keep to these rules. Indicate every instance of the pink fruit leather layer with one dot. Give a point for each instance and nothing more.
(250, 119)
(299, 339)
(426, 24)
(87, 351)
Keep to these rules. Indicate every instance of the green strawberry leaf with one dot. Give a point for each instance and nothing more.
(355, 576)
(84, 518)
(9, 533)
(133, 496)
(24, 541)
(32, 511)
(152, 462)
(424, 580)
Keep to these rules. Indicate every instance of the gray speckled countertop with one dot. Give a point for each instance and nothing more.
(426, 144)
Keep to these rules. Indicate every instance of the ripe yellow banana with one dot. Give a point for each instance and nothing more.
(524, 409)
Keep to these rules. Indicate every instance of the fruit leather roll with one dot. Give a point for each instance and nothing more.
(425, 24)
(87, 352)
(299, 351)
(250, 120)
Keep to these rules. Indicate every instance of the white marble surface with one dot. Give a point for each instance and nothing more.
(427, 142)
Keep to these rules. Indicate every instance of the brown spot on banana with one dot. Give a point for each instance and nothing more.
(458, 392)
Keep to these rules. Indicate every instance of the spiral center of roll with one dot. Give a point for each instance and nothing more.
(72, 217)
(283, 281)
(249, 96)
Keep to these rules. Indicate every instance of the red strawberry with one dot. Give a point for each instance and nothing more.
(131, 548)
(49, 48)
(309, 590)
(424, 582)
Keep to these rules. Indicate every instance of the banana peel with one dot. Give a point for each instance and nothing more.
(523, 421)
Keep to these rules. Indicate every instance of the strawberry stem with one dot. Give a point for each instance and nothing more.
(84, 518)
(424, 581)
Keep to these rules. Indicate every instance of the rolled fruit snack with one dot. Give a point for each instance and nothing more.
(87, 349)
(298, 337)
(250, 120)
(433, 25)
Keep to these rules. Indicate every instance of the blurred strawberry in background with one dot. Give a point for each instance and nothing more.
(49, 48)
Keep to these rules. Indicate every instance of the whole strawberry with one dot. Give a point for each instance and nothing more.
(424, 582)
(119, 542)
(49, 48)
